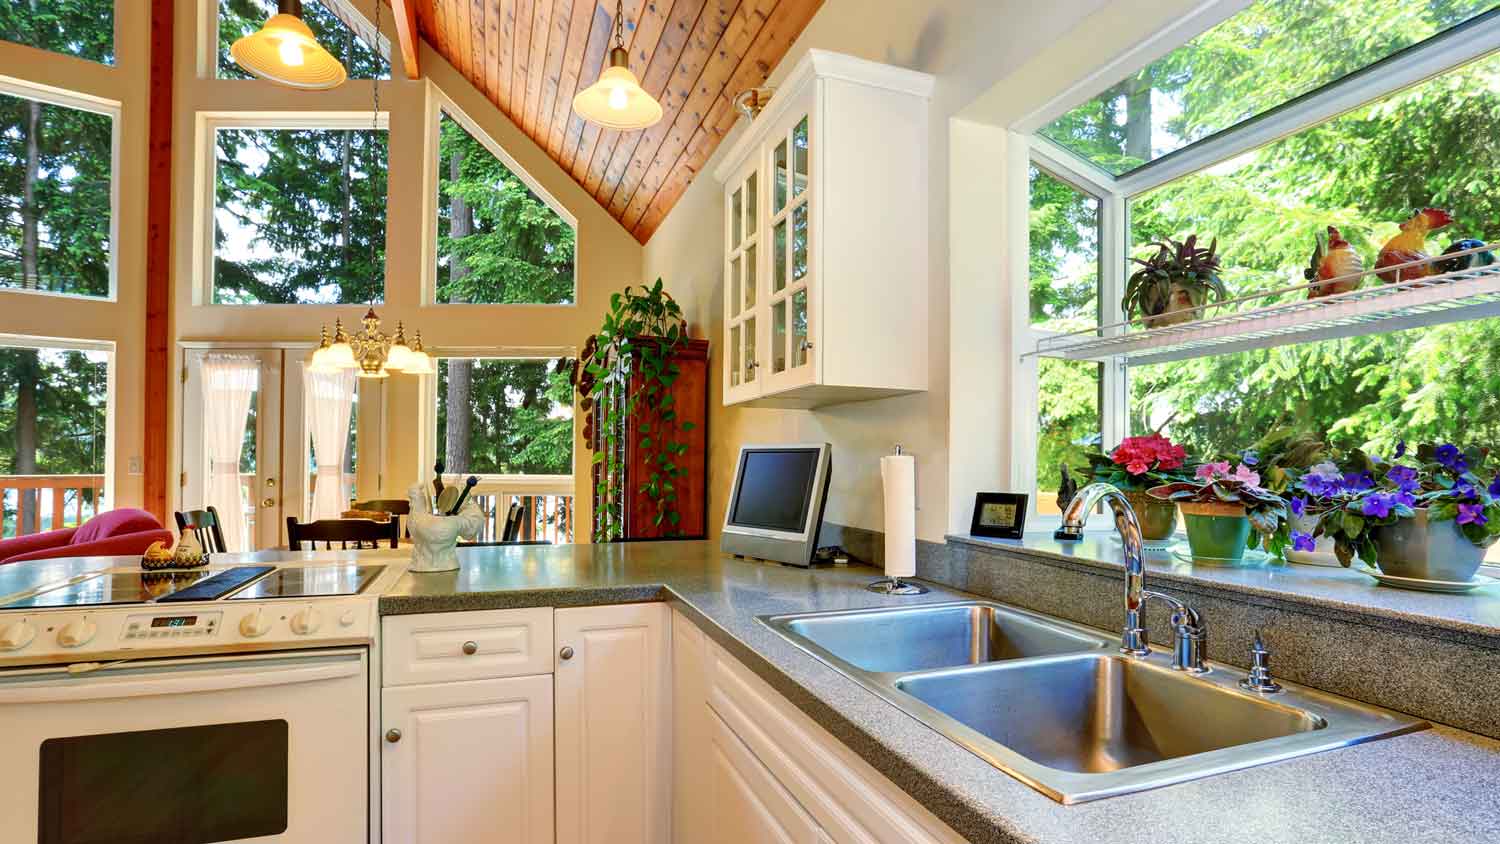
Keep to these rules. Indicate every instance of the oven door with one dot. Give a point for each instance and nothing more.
(188, 751)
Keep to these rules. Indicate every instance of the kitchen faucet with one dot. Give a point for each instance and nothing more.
(1190, 633)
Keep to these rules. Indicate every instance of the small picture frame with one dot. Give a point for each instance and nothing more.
(999, 515)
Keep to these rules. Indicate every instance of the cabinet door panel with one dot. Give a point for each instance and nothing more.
(472, 758)
(614, 753)
(749, 805)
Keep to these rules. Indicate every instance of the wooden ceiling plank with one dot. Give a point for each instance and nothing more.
(557, 48)
(406, 32)
(536, 66)
(641, 44)
(580, 30)
(649, 174)
(600, 35)
(676, 82)
(787, 22)
(484, 19)
(520, 62)
(463, 41)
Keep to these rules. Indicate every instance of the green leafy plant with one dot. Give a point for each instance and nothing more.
(624, 376)
(1178, 276)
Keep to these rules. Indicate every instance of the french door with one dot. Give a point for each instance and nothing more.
(272, 473)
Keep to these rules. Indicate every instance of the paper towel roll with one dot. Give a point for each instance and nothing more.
(898, 474)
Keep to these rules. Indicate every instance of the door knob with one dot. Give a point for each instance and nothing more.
(268, 502)
(270, 483)
(566, 652)
(393, 735)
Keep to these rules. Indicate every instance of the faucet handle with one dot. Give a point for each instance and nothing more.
(1260, 669)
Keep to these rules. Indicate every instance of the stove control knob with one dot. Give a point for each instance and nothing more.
(348, 618)
(254, 625)
(16, 635)
(77, 633)
(306, 621)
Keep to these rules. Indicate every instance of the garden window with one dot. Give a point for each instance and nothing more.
(299, 216)
(499, 243)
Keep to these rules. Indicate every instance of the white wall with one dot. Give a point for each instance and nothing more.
(968, 45)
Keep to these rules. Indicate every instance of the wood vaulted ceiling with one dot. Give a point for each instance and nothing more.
(531, 56)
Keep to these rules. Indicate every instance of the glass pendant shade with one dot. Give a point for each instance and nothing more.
(285, 51)
(418, 362)
(617, 100)
(341, 356)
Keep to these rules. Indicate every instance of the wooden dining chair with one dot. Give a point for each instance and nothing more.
(397, 507)
(205, 527)
(348, 533)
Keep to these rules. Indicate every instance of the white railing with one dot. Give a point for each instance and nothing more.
(546, 502)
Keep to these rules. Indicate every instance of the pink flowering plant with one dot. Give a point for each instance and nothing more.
(1139, 463)
(1454, 485)
(1216, 483)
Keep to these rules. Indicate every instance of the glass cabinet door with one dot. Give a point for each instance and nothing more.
(791, 269)
(741, 285)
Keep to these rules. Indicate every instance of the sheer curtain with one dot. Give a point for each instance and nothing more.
(330, 399)
(229, 381)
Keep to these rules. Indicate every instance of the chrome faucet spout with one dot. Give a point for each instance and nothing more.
(1133, 637)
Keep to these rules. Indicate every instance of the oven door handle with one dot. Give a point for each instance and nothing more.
(187, 682)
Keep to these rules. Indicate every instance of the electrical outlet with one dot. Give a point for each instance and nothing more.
(135, 466)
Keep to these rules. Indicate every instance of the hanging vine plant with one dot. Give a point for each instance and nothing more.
(642, 333)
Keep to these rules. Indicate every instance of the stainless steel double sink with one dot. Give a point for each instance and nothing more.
(1055, 705)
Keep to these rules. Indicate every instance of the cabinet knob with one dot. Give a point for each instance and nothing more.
(470, 648)
(393, 735)
(566, 652)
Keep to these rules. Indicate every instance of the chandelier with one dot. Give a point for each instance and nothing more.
(371, 351)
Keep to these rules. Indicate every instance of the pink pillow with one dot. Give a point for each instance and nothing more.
(113, 523)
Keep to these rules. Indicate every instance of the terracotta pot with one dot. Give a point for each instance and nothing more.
(1158, 518)
(1428, 550)
(1218, 534)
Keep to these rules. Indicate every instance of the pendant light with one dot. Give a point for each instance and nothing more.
(617, 100)
(285, 51)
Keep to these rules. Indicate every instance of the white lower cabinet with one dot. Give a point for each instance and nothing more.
(614, 739)
(466, 761)
(750, 806)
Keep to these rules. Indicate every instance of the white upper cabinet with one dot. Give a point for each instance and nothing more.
(825, 235)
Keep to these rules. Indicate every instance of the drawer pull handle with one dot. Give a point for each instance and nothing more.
(566, 652)
(393, 735)
(470, 648)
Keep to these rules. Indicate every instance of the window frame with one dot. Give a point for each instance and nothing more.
(1444, 52)
(439, 104)
(80, 101)
(206, 179)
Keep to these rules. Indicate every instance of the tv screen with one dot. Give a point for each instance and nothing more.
(775, 489)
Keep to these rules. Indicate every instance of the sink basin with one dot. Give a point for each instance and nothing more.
(1052, 704)
(935, 636)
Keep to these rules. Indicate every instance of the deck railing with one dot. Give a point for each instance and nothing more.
(546, 506)
(38, 503)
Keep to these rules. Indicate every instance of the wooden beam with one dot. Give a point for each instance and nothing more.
(156, 409)
(406, 33)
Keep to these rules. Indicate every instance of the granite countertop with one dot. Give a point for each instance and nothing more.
(1437, 785)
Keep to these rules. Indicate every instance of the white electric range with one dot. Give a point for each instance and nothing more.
(226, 704)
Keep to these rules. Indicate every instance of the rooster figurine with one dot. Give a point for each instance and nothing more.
(1411, 245)
(1337, 259)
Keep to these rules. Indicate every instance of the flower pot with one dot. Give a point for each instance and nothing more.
(1180, 308)
(1218, 534)
(1426, 550)
(1321, 555)
(1158, 518)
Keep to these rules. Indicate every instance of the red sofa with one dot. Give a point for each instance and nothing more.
(118, 532)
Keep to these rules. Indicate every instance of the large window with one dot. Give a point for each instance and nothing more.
(498, 242)
(238, 18)
(53, 436)
(299, 216)
(82, 28)
(55, 171)
(1417, 140)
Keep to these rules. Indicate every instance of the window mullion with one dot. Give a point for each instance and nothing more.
(1114, 246)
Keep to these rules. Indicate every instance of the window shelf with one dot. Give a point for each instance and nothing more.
(1467, 294)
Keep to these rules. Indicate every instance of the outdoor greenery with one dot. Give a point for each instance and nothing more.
(1437, 143)
(82, 28)
(52, 418)
(518, 416)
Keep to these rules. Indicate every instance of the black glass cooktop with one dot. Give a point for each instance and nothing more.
(310, 582)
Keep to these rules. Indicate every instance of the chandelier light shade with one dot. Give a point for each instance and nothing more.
(285, 51)
(617, 100)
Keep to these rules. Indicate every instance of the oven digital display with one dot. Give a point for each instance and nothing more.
(174, 621)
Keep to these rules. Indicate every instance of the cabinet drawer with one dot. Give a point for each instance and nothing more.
(477, 645)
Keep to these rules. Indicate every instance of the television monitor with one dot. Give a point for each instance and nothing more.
(776, 502)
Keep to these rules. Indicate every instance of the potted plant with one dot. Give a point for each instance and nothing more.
(1174, 283)
(1321, 489)
(624, 375)
(1137, 465)
(1221, 508)
(1430, 521)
